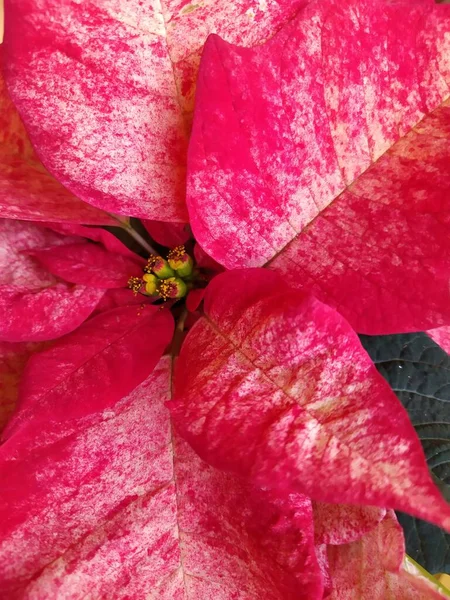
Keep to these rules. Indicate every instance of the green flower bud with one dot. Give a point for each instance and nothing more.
(173, 287)
(180, 261)
(151, 284)
(160, 267)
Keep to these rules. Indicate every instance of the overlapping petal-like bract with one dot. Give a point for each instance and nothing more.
(93, 367)
(168, 234)
(343, 523)
(88, 264)
(115, 504)
(275, 386)
(324, 154)
(307, 150)
(13, 358)
(27, 190)
(109, 113)
(34, 305)
(97, 234)
(372, 569)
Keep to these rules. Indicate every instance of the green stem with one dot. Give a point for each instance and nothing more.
(125, 224)
(413, 567)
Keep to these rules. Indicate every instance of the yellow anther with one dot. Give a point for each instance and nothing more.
(135, 284)
(172, 288)
(180, 261)
(176, 255)
(159, 266)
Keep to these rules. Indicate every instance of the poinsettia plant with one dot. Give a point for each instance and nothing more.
(198, 418)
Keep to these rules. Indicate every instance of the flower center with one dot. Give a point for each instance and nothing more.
(166, 279)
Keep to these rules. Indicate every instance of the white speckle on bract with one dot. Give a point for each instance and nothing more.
(134, 509)
(117, 150)
(262, 5)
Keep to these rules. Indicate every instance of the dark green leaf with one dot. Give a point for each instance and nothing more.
(418, 371)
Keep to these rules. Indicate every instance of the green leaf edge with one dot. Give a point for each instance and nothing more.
(412, 567)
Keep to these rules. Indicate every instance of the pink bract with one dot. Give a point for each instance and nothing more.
(110, 113)
(133, 509)
(319, 151)
(343, 523)
(89, 264)
(97, 234)
(324, 154)
(27, 190)
(441, 336)
(93, 367)
(168, 234)
(372, 569)
(13, 358)
(34, 305)
(286, 379)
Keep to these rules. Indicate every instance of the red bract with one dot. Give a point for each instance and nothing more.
(285, 377)
(324, 154)
(93, 367)
(340, 523)
(50, 283)
(114, 504)
(27, 190)
(97, 234)
(373, 569)
(88, 264)
(168, 234)
(13, 358)
(102, 360)
(34, 305)
(110, 113)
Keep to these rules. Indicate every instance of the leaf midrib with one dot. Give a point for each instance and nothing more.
(134, 328)
(348, 187)
(239, 349)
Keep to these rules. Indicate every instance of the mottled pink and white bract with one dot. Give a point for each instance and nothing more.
(264, 459)
(324, 155)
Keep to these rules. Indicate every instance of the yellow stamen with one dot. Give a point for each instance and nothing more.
(173, 287)
(151, 262)
(180, 261)
(168, 288)
(135, 284)
(177, 253)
